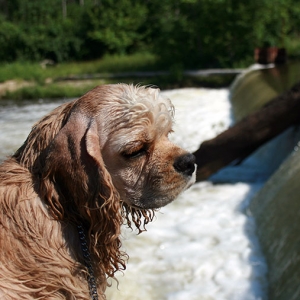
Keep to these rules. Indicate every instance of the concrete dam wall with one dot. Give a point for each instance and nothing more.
(276, 207)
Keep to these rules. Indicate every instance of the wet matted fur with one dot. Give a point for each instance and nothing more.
(100, 161)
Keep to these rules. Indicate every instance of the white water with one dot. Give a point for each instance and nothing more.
(202, 246)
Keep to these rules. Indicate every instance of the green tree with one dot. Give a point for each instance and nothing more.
(11, 40)
(182, 33)
(116, 26)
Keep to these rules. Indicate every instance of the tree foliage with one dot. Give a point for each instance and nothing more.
(184, 33)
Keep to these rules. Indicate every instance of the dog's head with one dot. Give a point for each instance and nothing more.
(133, 125)
(124, 130)
(107, 150)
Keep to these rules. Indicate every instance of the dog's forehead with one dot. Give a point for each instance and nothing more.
(135, 127)
(141, 98)
(129, 106)
(123, 96)
(123, 110)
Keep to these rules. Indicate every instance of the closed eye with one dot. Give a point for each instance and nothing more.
(135, 152)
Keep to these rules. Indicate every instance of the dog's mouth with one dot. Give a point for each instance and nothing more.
(134, 206)
(152, 198)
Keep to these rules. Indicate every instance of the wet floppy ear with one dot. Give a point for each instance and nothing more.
(93, 143)
(93, 148)
(66, 144)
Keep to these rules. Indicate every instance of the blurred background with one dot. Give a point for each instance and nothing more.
(194, 33)
(74, 38)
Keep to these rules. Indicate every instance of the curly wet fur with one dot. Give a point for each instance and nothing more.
(56, 181)
(36, 268)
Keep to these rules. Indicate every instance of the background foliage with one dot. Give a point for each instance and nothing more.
(181, 33)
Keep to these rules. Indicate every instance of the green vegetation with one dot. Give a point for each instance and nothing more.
(50, 91)
(34, 81)
(99, 36)
(193, 33)
(108, 64)
(52, 81)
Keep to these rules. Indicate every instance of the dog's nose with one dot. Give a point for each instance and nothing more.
(185, 164)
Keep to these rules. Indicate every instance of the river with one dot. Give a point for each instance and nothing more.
(200, 247)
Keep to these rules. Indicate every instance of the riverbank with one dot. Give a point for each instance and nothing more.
(71, 87)
(24, 80)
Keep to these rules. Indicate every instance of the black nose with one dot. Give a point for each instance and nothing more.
(185, 164)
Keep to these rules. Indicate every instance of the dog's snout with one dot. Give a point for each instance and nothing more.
(185, 164)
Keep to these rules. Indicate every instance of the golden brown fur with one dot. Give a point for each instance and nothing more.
(98, 161)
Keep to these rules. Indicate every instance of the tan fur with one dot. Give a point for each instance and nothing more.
(100, 161)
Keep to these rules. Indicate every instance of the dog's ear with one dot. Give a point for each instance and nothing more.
(62, 171)
(78, 138)
(68, 164)
(93, 143)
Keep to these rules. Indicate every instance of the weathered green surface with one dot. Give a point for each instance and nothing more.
(255, 88)
(276, 209)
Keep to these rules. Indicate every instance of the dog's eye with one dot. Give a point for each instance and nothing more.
(135, 152)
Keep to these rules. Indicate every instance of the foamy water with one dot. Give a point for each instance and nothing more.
(16, 121)
(201, 246)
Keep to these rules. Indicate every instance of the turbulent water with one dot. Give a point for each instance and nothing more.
(201, 246)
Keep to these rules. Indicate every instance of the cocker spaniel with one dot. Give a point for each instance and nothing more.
(85, 169)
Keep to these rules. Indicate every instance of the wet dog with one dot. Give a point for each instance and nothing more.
(85, 169)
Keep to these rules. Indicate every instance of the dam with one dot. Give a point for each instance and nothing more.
(276, 207)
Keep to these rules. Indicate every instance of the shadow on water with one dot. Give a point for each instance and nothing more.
(259, 166)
